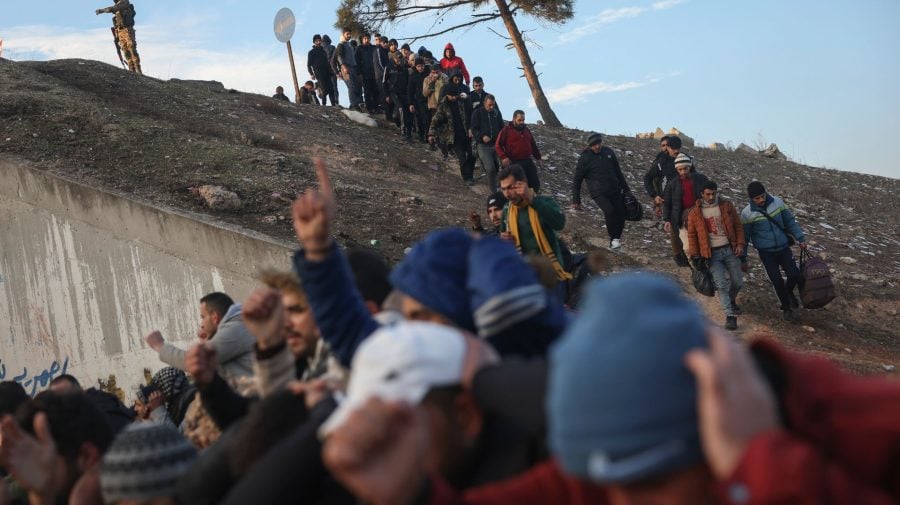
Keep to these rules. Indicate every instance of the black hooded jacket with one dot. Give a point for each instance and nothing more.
(603, 174)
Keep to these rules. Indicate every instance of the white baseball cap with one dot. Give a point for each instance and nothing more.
(401, 363)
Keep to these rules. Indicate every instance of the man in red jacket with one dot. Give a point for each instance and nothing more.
(515, 145)
(653, 414)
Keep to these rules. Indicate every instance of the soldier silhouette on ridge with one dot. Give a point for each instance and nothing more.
(123, 31)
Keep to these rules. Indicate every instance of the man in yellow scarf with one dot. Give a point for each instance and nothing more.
(529, 221)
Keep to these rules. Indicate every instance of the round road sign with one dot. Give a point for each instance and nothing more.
(284, 25)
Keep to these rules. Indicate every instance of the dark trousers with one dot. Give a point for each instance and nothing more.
(775, 262)
(613, 207)
(422, 119)
(324, 84)
(406, 117)
(462, 149)
(531, 173)
(370, 91)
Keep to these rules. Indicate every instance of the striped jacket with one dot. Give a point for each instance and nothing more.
(764, 234)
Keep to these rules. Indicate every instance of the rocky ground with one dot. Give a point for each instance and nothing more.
(161, 141)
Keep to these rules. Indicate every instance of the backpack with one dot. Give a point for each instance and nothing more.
(634, 211)
(816, 285)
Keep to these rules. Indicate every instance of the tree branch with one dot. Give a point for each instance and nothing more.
(447, 30)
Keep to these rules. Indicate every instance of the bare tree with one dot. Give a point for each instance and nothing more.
(371, 15)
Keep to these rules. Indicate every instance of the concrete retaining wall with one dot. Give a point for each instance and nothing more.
(84, 274)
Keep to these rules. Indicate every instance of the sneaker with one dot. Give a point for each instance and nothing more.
(788, 316)
(731, 323)
(682, 261)
(615, 243)
(795, 303)
(736, 307)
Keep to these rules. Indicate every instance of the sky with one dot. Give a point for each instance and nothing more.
(821, 79)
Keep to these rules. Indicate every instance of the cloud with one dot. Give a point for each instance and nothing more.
(166, 52)
(608, 16)
(579, 92)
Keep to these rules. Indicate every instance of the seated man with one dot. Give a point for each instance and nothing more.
(222, 326)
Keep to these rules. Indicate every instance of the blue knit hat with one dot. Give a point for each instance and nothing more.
(512, 310)
(434, 272)
(622, 407)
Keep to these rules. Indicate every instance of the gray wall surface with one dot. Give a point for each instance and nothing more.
(84, 274)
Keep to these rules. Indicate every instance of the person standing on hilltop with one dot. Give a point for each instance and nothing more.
(320, 69)
(606, 185)
(123, 29)
(451, 61)
(771, 226)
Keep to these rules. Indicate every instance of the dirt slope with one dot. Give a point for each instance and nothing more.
(155, 140)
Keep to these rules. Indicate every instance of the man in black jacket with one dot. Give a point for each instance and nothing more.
(320, 69)
(486, 124)
(679, 197)
(606, 185)
(365, 60)
(661, 171)
(418, 104)
(398, 83)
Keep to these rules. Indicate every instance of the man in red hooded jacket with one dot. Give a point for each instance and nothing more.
(451, 61)
(515, 145)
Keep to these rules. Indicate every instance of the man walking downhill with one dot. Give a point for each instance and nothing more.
(716, 240)
(516, 145)
(606, 185)
(678, 198)
(661, 171)
(531, 222)
(769, 225)
(451, 126)
(486, 125)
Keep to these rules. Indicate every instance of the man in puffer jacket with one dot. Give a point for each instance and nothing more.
(606, 184)
(767, 224)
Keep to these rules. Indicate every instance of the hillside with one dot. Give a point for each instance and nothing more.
(157, 140)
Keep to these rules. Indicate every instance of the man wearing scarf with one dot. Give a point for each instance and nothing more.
(530, 221)
(716, 241)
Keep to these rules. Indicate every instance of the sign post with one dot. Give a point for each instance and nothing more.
(284, 30)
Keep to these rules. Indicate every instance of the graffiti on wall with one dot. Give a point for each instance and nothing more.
(36, 380)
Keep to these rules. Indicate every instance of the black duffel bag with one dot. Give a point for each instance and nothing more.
(634, 211)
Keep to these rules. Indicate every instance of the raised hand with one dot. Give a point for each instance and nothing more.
(733, 401)
(264, 317)
(200, 363)
(313, 213)
(379, 452)
(33, 461)
(155, 340)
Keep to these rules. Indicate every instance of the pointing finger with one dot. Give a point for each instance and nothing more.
(322, 176)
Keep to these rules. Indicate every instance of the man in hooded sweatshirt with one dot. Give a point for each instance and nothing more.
(451, 61)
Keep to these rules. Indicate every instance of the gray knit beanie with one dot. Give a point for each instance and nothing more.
(144, 462)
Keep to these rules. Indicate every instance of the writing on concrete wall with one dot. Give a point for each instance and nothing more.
(35, 382)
